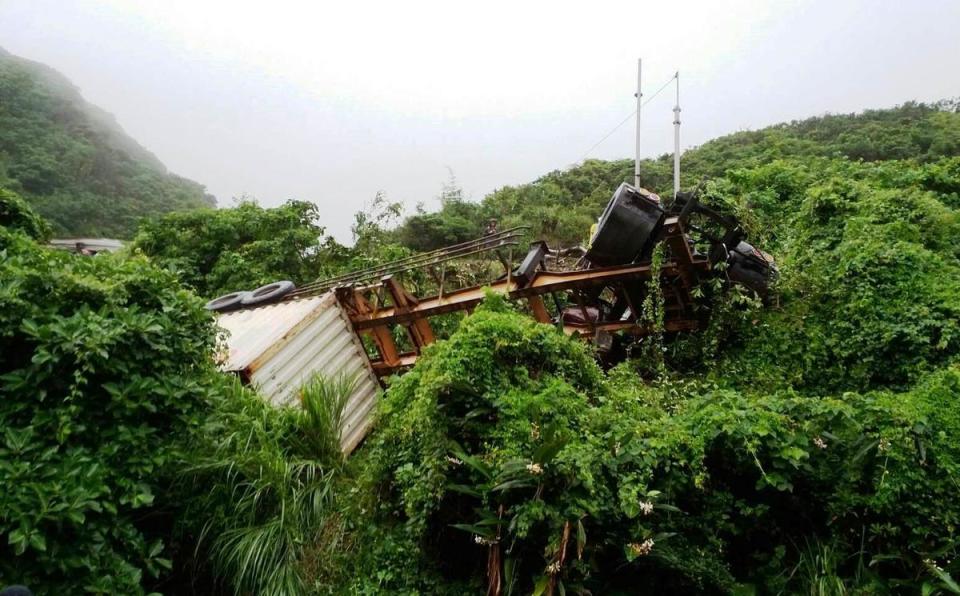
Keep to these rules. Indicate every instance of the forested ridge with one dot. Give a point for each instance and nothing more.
(807, 445)
(74, 163)
(562, 204)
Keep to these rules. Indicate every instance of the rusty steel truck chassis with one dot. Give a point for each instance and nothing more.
(599, 296)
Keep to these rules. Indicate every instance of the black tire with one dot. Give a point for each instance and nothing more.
(269, 293)
(231, 301)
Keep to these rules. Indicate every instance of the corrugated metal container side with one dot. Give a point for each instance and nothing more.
(253, 331)
(279, 347)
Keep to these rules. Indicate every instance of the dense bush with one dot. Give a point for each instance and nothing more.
(870, 274)
(430, 231)
(506, 457)
(809, 446)
(105, 367)
(267, 479)
(869, 475)
(471, 415)
(240, 248)
(806, 446)
(16, 214)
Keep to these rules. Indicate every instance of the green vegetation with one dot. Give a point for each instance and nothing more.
(507, 447)
(73, 163)
(16, 214)
(225, 250)
(271, 476)
(105, 367)
(562, 205)
(456, 222)
(870, 285)
(807, 446)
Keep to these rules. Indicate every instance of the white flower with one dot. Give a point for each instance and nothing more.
(642, 548)
(481, 540)
(646, 507)
(553, 568)
(820, 443)
(454, 460)
(535, 469)
(884, 444)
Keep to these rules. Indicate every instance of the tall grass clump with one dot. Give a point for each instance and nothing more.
(271, 473)
(817, 571)
(324, 401)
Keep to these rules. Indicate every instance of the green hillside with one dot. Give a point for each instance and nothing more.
(74, 163)
(861, 211)
(809, 445)
(561, 205)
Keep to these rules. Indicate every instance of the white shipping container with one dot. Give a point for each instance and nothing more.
(277, 348)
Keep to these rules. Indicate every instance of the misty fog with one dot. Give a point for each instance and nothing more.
(332, 103)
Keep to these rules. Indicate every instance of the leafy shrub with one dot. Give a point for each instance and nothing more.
(240, 248)
(269, 476)
(16, 214)
(869, 474)
(816, 453)
(506, 457)
(870, 277)
(102, 373)
(495, 462)
(430, 231)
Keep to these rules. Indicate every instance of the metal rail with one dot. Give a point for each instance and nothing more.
(373, 316)
(506, 238)
(611, 290)
(544, 282)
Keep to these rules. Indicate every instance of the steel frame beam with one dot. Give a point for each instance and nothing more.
(678, 275)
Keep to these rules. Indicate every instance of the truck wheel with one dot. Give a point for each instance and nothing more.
(227, 302)
(268, 293)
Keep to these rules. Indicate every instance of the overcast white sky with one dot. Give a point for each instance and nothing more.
(332, 102)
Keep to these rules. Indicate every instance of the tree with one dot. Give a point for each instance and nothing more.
(240, 248)
(16, 214)
(106, 366)
(457, 221)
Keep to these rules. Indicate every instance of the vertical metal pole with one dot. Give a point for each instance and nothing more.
(636, 164)
(676, 140)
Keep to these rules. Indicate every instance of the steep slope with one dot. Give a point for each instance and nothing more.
(862, 213)
(562, 204)
(805, 443)
(74, 163)
(916, 131)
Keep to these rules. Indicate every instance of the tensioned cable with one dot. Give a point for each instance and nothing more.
(506, 238)
(627, 119)
(607, 136)
(664, 86)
